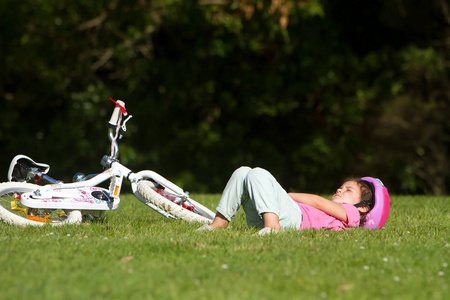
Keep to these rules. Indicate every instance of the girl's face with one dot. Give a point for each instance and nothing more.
(349, 192)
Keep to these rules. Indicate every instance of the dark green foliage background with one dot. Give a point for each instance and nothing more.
(314, 91)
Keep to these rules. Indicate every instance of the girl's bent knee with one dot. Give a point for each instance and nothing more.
(243, 169)
(241, 172)
(257, 174)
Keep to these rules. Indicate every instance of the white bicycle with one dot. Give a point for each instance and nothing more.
(57, 203)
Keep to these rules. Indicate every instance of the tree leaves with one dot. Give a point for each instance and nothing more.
(314, 91)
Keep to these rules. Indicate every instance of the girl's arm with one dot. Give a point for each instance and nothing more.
(334, 209)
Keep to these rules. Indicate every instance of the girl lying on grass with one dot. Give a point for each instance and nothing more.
(268, 206)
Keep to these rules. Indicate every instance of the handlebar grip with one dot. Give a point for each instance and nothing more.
(116, 113)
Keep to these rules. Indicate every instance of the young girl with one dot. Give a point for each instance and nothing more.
(268, 206)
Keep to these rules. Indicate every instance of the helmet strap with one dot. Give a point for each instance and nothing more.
(363, 203)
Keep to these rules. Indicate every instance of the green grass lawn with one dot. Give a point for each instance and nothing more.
(138, 254)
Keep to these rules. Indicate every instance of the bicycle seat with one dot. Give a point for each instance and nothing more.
(20, 167)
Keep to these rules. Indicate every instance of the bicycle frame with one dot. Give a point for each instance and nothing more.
(115, 174)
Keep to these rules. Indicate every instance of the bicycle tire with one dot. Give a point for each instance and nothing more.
(146, 190)
(14, 213)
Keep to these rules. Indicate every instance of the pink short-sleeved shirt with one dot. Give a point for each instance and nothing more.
(317, 219)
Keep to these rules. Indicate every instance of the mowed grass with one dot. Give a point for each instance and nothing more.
(138, 254)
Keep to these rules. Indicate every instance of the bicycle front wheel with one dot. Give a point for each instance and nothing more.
(188, 210)
(15, 213)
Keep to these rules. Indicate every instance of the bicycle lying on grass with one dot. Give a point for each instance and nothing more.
(57, 203)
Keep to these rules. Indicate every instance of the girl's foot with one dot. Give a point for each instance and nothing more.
(205, 227)
(219, 222)
(266, 231)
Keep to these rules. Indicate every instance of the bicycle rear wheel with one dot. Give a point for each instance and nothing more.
(187, 210)
(15, 213)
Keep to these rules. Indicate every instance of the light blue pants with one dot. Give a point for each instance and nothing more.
(258, 192)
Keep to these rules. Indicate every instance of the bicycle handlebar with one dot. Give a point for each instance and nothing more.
(120, 108)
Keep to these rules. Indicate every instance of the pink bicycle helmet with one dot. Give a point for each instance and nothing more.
(377, 216)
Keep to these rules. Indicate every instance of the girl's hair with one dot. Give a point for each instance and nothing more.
(367, 198)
